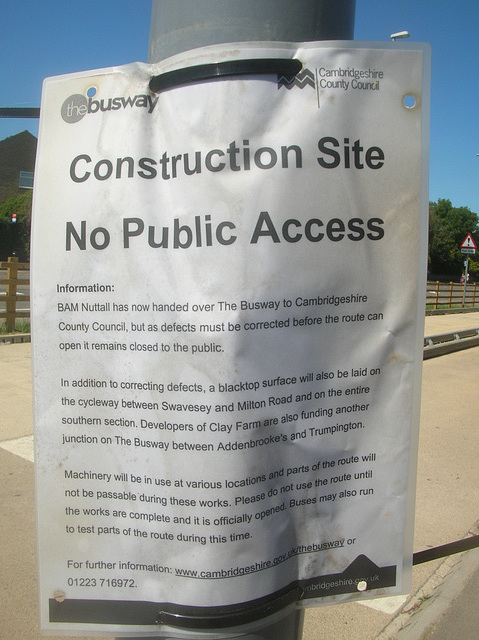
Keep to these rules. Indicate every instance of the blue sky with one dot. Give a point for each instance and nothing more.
(40, 38)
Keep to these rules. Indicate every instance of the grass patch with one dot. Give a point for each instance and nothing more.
(20, 327)
(431, 307)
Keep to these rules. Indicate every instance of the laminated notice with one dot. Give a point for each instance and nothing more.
(228, 301)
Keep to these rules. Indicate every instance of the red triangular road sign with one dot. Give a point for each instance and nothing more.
(468, 243)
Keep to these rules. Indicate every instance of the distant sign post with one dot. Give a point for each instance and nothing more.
(468, 247)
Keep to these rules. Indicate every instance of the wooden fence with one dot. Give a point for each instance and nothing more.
(439, 295)
(11, 295)
(445, 295)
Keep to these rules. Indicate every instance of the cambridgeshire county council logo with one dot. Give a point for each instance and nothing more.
(336, 78)
(304, 78)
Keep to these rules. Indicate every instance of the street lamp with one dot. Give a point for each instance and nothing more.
(400, 35)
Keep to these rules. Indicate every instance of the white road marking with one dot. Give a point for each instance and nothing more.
(389, 604)
(22, 447)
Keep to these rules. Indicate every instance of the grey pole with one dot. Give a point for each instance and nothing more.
(466, 271)
(186, 24)
(183, 25)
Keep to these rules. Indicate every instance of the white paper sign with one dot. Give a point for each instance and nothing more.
(228, 302)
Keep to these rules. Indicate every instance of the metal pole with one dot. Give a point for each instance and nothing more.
(466, 271)
(187, 24)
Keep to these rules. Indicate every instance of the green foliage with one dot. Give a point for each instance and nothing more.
(20, 327)
(15, 237)
(474, 267)
(448, 227)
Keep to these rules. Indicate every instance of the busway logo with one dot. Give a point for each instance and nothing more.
(304, 78)
(74, 108)
(77, 106)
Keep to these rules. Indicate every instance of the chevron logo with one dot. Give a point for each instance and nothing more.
(301, 80)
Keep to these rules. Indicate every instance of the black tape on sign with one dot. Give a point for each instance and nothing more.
(288, 67)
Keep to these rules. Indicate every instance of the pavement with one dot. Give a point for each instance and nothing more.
(443, 602)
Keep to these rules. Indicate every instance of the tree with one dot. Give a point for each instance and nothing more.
(448, 227)
(15, 236)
